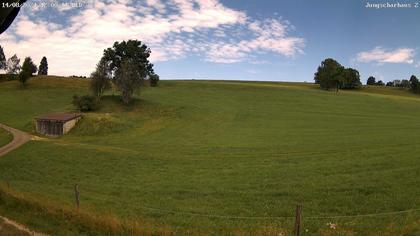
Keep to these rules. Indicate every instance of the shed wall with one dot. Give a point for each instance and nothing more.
(69, 125)
(53, 128)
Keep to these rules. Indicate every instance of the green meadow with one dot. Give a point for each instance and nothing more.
(5, 137)
(217, 157)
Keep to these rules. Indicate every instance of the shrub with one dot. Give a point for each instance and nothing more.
(86, 103)
(154, 79)
(7, 77)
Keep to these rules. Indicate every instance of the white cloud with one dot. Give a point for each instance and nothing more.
(172, 29)
(271, 37)
(381, 55)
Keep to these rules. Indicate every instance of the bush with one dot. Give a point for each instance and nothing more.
(154, 79)
(8, 77)
(86, 103)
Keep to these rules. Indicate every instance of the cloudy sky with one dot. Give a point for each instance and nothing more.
(223, 39)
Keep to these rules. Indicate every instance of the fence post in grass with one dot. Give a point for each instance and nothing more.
(298, 219)
(77, 196)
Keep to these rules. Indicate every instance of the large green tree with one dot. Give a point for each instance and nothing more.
(28, 68)
(43, 67)
(135, 56)
(3, 64)
(329, 74)
(350, 79)
(127, 80)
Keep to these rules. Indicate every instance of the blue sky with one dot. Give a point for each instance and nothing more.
(220, 39)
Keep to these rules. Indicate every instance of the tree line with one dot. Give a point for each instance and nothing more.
(412, 84)
(124, 66)
(22, 72)
(332, 75)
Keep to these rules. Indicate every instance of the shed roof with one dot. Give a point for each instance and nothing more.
(59, 116)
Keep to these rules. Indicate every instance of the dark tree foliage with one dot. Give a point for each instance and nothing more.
(380, 83)
(404, 84)
(414, 84)
(13, 65)
(126, 80)
(154, 79)
(134, 51)
(329, 74)
(350, 79)
(390, 84)
(371, 80)
(128, 65)
(85, 103)
(3, 64)
(28, 68)
(43, 67)
(100, 79)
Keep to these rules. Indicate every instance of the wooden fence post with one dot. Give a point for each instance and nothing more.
(298, 219)
(77, 196)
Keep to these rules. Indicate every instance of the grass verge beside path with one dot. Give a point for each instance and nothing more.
(5, 137)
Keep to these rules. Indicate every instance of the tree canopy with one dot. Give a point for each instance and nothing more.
(371, 80)
(126, 80)
(380, 83)
(28, 68)
(331, 74)
(350, 79)
(128, 64)
(13, 65)
(132, 50)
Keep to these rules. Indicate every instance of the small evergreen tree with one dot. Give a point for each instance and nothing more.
(43, 67)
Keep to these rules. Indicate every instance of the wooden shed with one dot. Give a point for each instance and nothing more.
(56, 124)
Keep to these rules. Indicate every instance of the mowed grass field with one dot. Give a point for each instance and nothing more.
(218, 156)
(5, 137)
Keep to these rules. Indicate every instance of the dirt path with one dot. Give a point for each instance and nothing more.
(17, 229)
(19, 138)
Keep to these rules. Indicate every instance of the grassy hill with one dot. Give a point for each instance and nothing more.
(5, 137)
(189, 152)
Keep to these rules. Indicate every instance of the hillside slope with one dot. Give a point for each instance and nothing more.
(220, 148)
